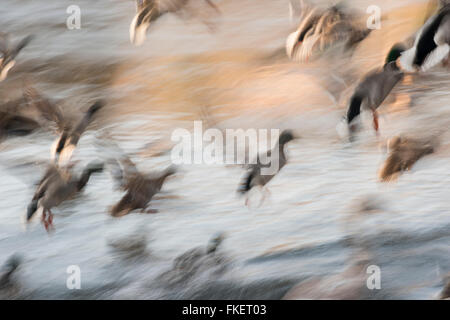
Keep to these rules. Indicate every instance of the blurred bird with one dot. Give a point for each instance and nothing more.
(9, 53)
(8, 269)
(140, 188)
(58, 185)
(200, 260)
(69, 133)
(254, 176)
(13, 122)
(403, 154)
(63, 148)
(321, 29)
(445, 294)
(148, 11)
(432, 44)
(374, 88)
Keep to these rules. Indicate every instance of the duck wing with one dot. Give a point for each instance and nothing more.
(49, 110)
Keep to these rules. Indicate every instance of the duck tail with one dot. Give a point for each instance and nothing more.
(355, 107)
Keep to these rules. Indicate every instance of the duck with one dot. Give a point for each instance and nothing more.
(148, 11)
(431, 45)
(9, 53)
(139, 187)
(197, 260)
(445, 293)
(56, 186)
(404, 152)
(373, 89)
(13, 122)
(64, 146)
(321, 29)
(69, 133)
(254, 176)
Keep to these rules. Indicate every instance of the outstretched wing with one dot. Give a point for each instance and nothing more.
(22, 44)
(48, 109)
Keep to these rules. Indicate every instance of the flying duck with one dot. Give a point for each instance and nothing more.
(374, 88)
(140, 188)
(13, 123)
(254, 176)
(56, 186)
(148, 11)
(432, 43)
(63, 147)
(69, 133)
(403, 154)
(320, 29)
(9, 53)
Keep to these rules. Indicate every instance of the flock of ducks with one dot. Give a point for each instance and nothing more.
(319, 29)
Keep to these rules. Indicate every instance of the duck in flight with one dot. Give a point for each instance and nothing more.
(374, 88)
(320, 29)
(8, 53)
(432, 43)
(56, 186)
(404, 152)
(254, 176)
(148, 11)
(139, 187)
(13, 122)
(69, 133)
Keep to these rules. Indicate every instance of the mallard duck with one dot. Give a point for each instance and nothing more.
(432, 43)
(8, 53)
(403, 154)
(254, 176)
(148, 11)
(13, 122)
(58, 185)
(320, 29)
(374, 88)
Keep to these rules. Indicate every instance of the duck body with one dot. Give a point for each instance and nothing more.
(64, 146)
(374, 88)
(254, 176)
(320, 29)
(148, 11)
(432, 44)
(140, 190)
(58, 185)
(403, 154)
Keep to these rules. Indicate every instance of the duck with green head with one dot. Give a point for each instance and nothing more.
(374, 88)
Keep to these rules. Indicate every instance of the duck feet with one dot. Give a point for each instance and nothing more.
(47, 220)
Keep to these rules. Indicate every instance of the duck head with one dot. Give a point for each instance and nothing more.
(285, 137)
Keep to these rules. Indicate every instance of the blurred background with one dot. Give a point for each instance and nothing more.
(327, 217)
